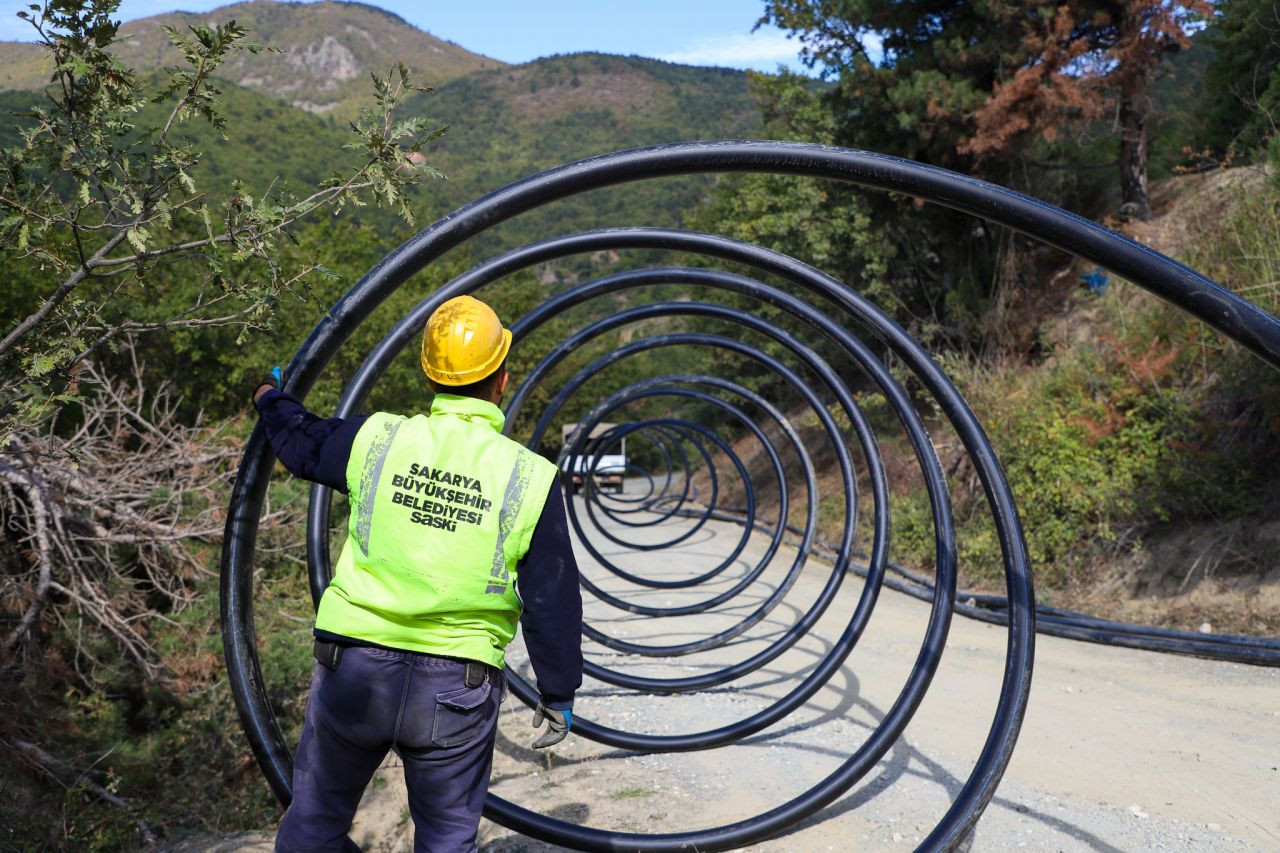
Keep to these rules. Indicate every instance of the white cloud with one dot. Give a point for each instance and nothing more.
(760, 50)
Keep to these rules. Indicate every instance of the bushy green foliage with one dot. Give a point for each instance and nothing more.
(1149, 420)
(1243, 77)
(823, 224)
(1082, 446)
(98, 193)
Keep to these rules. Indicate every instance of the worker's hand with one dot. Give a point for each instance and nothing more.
(558, 723)
(274, 379)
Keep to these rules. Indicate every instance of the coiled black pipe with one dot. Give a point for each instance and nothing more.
(1176, 283)
(672, 386)
(658, 501)
(1058, 622)
(731, 673)
(656, 497)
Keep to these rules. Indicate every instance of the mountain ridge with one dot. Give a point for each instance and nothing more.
(507, 121)
(326, 51)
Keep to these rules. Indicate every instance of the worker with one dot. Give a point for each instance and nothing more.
(455, 533)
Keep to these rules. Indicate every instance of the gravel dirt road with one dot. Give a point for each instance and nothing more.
(1121, 749)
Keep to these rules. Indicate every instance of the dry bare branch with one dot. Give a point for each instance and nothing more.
(105, 531)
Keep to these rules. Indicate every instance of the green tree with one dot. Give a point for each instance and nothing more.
(902, 78)
(1078, 63)
(998, 90)
(108, 242)
(93, 202)
(967, 86)
(907, 76)
(1244, 75)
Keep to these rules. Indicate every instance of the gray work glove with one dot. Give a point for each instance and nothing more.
(558, 724)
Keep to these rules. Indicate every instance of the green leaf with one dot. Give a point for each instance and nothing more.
(43, 363)
(137, 237)
(24, 234)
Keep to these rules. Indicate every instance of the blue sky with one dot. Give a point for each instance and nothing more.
(694, 32)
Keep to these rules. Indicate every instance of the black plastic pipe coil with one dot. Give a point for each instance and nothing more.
(813, 348)
(1054, 621)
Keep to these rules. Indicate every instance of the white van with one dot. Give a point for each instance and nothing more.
(606, 470)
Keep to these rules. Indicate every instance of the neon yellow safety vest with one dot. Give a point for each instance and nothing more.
(442, 509)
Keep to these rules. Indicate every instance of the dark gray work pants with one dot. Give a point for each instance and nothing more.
(420, 706)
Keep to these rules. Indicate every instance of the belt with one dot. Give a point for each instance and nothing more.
(329, 654)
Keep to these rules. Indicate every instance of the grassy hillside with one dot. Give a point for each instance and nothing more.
(326, 52)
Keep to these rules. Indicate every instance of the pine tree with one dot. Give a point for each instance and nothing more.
(1244, 76)
(1081, 62)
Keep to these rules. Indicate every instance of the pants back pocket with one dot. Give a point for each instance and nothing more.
(460, 714)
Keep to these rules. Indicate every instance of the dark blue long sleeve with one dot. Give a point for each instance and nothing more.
(310, 447)
(547, 581)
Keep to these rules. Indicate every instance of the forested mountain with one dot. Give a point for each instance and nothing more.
(510, 123)
(506, 122)
(321, 57)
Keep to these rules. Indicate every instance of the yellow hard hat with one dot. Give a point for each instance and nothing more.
(464, 342)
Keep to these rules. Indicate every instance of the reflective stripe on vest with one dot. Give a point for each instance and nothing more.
(368, 491)
(431, 555)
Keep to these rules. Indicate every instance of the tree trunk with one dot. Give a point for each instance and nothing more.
(1135, 104)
